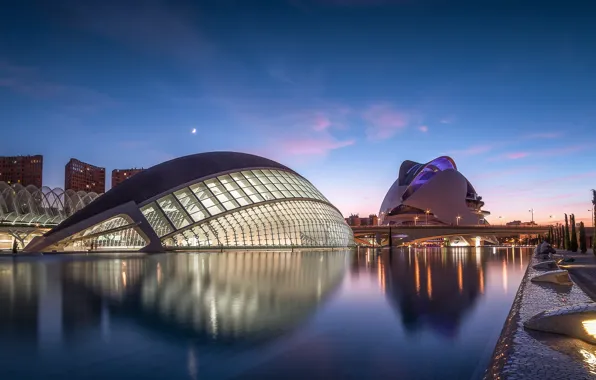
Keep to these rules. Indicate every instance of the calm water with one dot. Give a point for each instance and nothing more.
(416, 314)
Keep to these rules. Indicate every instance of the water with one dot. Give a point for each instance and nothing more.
(418, 314)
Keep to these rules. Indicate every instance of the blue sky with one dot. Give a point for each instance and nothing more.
(340, 90)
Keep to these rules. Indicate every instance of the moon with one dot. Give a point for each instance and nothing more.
(194, 130)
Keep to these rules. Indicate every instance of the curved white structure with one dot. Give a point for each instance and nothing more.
(559, 277)
(432, 193)
(546, 265)
(578, 321)
(215, 199)
(20, 205)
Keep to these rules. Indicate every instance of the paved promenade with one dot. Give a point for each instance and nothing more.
(526, 354)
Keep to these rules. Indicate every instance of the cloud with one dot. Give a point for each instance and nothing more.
(471, 151)
(447, 120)
(384, 121)
(505, 173)
(280, 74)
(423, 128)
(313, 146)
(152, 25)
(321, 122)
(516, 155)
(560, 151)
(28, 81)
(544, 135)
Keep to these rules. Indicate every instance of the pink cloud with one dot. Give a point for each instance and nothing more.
(313, 147)
(384, 121)
(578, 176)
(423, 128)
(566, 150)
(516, 155)
(321, 123)
(471, 151)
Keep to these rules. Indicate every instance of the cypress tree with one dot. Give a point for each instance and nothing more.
(562, 237)
(573, 242)
(594, 221)
(567, 241)
(550, 237)
(582, 238)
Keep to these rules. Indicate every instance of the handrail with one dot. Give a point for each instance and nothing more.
(459, 226)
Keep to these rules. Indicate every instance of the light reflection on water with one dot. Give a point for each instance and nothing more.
(406, 314)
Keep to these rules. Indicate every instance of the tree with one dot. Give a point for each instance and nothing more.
(562, 237)
(573, 243)
(582, 238)
(567, 241)
(550, 236)
(594, 221)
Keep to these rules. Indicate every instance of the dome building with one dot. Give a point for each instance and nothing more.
(435, 193)
(206, 200)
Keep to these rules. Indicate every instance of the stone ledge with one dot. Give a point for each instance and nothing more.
(525, 354)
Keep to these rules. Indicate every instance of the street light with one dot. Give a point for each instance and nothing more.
(415, 220)
(532, 211)
(458, 218)
(500, 220)
(427, 212)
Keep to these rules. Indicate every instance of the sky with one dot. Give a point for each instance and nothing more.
(342, 91)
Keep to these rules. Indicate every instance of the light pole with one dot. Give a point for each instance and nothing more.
(427, 212)
(532, 211)
(458, 218)
(501, 220)
(416, 220)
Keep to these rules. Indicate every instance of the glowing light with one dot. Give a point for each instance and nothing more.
(589, 359)
(417, 274)
(505, 276)
(590, 327)
(460, 277)
(194, 130)
(429, 283)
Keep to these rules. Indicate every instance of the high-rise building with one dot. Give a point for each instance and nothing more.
(26, 170)
(79, 175)
(119, 175)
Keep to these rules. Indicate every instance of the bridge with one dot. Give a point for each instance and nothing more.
(383, 235)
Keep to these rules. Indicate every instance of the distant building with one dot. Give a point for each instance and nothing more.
(434, 193)
(119, 175)
(26, 170)
(79, 175)
(520, 223)
(355, 220)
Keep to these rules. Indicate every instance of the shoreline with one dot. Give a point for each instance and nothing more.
(525, 354)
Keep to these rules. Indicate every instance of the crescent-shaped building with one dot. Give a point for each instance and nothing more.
(206, 200)
(432, 193)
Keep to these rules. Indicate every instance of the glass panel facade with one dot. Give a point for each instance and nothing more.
(103, 237)
(157, 219)
(230, 211)
(173, 211)
(298, 223)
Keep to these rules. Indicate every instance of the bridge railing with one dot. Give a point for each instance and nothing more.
(541, 227)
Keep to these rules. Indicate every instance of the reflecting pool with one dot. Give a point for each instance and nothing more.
(419, 314)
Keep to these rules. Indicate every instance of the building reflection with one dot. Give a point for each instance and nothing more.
(220, 296)
(429, 288)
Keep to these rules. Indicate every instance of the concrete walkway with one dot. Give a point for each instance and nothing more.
(582, 270)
